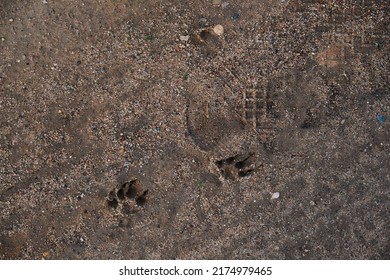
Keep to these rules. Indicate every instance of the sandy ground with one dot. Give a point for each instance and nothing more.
(143, 130)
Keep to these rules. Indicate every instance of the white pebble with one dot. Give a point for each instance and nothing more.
(218, 29)
(275, 195)
(184, 38)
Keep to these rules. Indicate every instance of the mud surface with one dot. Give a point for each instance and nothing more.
(136, 130)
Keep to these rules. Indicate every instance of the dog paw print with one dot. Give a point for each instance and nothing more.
(129, 192)
(208, 38)
(236, 167)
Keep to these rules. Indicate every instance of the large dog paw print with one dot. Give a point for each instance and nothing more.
(236, 166)
(128, 192)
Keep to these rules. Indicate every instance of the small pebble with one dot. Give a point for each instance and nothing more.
(11, 20)
(216, 2)
(202, 22)
(184, 38)
(380, 118)
(224, 5)
(235, 16)
(218, 29)
(275, 195)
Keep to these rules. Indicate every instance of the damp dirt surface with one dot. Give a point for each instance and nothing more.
(194, 129)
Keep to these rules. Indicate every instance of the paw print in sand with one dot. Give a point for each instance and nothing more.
(127, 192)
(236, 167)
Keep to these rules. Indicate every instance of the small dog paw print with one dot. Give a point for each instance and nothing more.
(236, 167)
(128, 192)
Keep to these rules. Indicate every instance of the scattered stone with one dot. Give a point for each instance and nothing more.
(380, 118)
(202, 22)
(218, 29)
(11, 20)
(224, 5)
(235, 16)
(216, 2)
(275, 195)
(184, 38)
